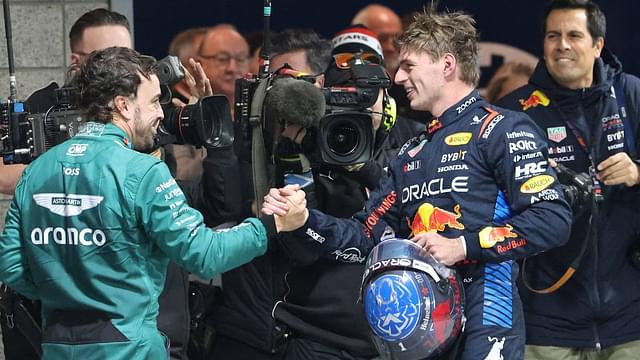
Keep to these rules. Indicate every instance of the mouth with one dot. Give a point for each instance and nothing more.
(410, 92)
(564, 58)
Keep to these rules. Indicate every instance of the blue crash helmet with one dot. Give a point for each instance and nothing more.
(414, 305)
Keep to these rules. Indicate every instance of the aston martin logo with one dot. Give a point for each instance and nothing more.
(67, 204)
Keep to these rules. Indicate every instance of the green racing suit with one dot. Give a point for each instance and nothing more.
(90, 232)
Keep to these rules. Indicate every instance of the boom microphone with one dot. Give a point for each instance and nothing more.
(295, 102)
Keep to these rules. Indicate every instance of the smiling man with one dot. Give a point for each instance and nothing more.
(480, 165)
(589, 111)
(94, 222)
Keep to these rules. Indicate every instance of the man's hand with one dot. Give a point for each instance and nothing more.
(289, 206)
(618, 169)
(446, 251)
(198, 84)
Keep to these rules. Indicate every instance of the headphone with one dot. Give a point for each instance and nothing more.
(389, 111)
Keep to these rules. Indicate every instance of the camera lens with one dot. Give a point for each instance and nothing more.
(343, 138)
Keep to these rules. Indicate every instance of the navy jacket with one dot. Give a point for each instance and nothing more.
(600, 305)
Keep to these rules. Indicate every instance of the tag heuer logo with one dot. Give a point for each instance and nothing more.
(67, 204)
(557, 134)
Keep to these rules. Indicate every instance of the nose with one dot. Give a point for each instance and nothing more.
(232, 65)
(401, 76)
(237, 67)
(160, 114)
(564, 43)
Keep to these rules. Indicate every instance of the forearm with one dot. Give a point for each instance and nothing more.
(9, 176)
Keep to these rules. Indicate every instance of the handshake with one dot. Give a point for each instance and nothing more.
(288, 205)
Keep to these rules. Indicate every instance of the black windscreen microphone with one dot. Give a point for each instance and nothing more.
(295, 102)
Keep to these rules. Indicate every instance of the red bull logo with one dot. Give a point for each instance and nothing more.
(430, 218)
(490, 235)
(434, 126)
(536, 98)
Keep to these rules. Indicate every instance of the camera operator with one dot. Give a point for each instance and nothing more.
(244, 323)
(323, 319)
(589, 110)
(97, 256)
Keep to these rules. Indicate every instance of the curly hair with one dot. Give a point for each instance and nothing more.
(440, 33)
(114, 71)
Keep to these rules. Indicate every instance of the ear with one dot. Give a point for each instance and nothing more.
(449, 65)
(320, 81)
(599, 45)
(123, 107)
(75, 60)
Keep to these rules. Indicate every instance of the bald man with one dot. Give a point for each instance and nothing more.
(387, 25)
(224, 55)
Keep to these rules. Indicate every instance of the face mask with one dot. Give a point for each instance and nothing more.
(289, 157)
(287, 147)
(309, 142)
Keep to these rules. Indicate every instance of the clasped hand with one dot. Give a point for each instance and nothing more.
(288, 205)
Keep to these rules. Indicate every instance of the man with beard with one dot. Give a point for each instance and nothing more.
(94, 222)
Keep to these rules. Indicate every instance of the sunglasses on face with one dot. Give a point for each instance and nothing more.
(345, 60)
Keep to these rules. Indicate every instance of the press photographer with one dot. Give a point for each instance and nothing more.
(589, 109)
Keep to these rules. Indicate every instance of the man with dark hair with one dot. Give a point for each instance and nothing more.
(590, 111)
(245, 323)
(94, 222)
(467, 164)
(97, 29)
(304, 51)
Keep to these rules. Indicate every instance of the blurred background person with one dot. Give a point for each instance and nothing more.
(387, 25)
(254, 40)
(224, 55)
(509, 77)
(188, 158)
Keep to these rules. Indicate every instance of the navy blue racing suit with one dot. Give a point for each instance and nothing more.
(479, 172)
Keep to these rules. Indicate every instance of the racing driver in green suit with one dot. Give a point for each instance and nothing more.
(94, 223)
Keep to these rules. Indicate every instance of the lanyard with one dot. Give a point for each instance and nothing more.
(597, 188)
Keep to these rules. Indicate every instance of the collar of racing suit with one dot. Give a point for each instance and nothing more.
(452, 114)
(98, 129)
